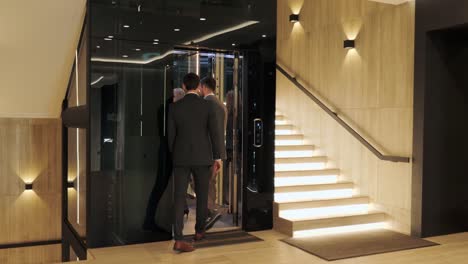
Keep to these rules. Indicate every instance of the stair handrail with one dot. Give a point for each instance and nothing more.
(340, 121)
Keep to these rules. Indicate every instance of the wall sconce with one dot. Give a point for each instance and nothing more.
(28, 186)
(349, 44)
(294, 18)
(70, 184)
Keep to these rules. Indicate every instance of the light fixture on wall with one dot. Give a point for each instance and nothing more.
(294, 18)
(28, 186)
(70, 184)
(349, 44)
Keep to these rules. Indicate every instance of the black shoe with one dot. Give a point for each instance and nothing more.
(212, 219)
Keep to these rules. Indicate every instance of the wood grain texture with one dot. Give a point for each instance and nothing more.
(30, 152)
(31, 255)
(453, 249)
(370, 87)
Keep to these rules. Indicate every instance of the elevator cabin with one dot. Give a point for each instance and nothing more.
(121, 192)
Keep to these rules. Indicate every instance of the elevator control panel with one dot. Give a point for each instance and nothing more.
(258, 132)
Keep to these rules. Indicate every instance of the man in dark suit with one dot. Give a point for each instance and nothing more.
(196, 146)
(208, 88)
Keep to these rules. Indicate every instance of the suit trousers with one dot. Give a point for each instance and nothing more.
(201, 176)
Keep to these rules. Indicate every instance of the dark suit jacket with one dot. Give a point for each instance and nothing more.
(192, 131)
(221, 115)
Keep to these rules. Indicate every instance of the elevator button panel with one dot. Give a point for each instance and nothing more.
(258, 132)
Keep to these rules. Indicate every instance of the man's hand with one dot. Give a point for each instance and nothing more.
(217, 166)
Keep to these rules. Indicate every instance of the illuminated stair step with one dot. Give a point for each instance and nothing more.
(285, 130)
(309, 226)
(324, 212)
(284, 127)
(280, 132)
(306, 177)
(285, 151)
(305, 180)
(321, 203)
(305, 173)
(285, 194)
(316, 187)
(301, 163)
(295, 139)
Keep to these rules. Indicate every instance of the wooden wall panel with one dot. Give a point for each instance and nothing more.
(371, 87)
(31, 255)
(30, 151)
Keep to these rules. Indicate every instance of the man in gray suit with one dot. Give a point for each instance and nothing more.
(196, 146)
(208, 88)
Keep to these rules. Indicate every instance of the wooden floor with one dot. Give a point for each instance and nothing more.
(453, 249)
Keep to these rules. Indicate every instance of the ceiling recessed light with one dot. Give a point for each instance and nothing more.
(98, 47)
(126, 26)
(176, 29)
(156, 40)
(137, 49)
(110, 37)
(203, 18)
(264, 36)
(233, 44)
(107, 39)
(155, 43)
(125, 56)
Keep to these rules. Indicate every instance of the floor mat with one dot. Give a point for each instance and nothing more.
(357, 244)
(224, 239)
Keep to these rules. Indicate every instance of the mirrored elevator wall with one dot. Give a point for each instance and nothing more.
(124, 154)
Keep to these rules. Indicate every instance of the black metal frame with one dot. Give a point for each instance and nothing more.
(74, 117)
(340, 121)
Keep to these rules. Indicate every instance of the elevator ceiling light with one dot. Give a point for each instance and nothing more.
(155, 43)
(155, 40)
(264, 36)
(294, 18)
(233, 44)
(202, 18)
(28, 186)
(176, 29)
(349, 44)
(126, 26)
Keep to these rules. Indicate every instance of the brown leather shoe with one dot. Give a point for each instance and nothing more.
(199, 236)
(181, 247)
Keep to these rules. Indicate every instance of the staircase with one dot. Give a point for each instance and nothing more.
(310, 199)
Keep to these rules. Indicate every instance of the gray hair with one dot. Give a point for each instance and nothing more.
(178, 93)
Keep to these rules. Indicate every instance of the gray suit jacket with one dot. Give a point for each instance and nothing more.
(221, 116)
(193, 133)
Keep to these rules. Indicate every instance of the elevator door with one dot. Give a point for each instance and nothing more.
(224, 68)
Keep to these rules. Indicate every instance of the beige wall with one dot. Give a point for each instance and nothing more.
(37, 46)
(30, 152)
(371, 87)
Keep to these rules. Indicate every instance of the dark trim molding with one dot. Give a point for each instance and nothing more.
(31, 244)
(341, 121)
